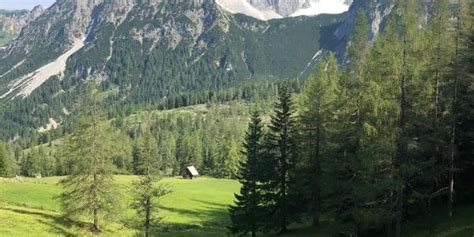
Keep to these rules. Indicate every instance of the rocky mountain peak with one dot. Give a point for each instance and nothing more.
(272, 9)
(12, 22)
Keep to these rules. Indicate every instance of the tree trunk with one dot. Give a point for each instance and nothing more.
(96, 226)
(399, 212)
(147, 217)
(317, 176)
(453, 144)
(401, 146)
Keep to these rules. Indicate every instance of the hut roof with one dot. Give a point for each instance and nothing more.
(192, 170)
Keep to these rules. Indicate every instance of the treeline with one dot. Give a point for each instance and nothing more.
(206, 136)
(375, 144)
(21, 119)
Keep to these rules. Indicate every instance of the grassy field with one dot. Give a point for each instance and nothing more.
(195, 208)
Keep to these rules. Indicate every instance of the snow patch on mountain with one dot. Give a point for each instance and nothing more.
(244, 7)
(266, 11)
(317, 7)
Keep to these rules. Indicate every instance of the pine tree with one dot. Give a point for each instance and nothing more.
(147, 190)
(281, 152)
(89, 189)
(246, 214)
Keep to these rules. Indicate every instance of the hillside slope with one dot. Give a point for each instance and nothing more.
(158, 52)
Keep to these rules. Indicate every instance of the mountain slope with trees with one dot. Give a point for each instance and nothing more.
(128, 46)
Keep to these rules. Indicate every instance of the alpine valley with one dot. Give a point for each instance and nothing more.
(170, 53)
(191, 118)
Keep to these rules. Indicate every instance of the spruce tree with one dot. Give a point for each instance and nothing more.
(4, 160)
(246, 215)
(137, 159)
(281, 155)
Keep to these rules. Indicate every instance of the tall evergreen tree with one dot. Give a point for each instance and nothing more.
(137, 159)
(89, 189)
(282, 155)
(407, 81)
(5, 160)
(462, 103)
(246, 215)
(351, 117)
(317, 109)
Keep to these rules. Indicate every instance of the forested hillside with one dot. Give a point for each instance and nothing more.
(211, 51)
(375, 141)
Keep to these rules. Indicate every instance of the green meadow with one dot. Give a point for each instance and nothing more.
(195, 208)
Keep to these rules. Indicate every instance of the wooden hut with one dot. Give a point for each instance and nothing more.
(190, 173)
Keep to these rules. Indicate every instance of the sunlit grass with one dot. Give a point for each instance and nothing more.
(195, 207)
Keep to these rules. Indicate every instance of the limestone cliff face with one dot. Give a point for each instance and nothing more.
(282, 7)
(11, 23)
(131, 42)
(286, 7)
(81, 31)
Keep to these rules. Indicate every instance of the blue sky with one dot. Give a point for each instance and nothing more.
(24, 4)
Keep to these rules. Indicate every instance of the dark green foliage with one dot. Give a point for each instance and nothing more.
(281, 154)
(317, 109)
(6, 161)
(137, 159)
(247, 215)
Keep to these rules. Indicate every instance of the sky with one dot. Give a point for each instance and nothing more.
(24, 4)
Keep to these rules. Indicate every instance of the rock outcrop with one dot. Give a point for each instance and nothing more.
(12, 22)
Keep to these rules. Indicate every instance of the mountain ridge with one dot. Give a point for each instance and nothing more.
(171, 53)
(11, 22)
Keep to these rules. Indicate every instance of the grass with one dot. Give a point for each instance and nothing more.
(195, 208)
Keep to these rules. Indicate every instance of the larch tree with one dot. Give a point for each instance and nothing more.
(89, 189)
(459, 80)
(351, 116)
(148, 190)
(317, 109)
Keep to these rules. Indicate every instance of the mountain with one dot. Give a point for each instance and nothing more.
(82, 39)
(274, 9)
(11, 22)
(169, 53)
